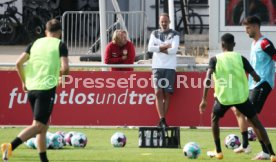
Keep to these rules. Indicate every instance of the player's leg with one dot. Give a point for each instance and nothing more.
(257, 97)
(218, 112)
(168, 83)
(7, 148)
(216, 136)
(43, 110)
(167, 97)
(41, 144)
(248, 110)
(45, 104)
(159, 93)
(264, 154)
(160, 104)
(243, 125)
(257, 124)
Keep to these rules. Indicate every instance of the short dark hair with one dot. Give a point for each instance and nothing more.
(252, 20)
(165, 14)
(228, 38)
(53, 25)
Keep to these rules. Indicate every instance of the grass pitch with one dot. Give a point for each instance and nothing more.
(99, 148)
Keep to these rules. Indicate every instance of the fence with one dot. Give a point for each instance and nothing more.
(81, 30)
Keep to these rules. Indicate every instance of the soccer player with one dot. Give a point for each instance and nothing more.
(261, 59)
(164, 44)
(231, 89)
(46, 60)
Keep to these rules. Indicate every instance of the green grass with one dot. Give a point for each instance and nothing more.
(99, 148)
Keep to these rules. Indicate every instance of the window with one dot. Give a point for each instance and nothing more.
(232, 14)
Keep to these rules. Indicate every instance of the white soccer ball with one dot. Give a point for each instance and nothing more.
(79, 140)
(191, 150)
(251, 134)
(56, 141)
(118, 139)
(30, 143)
(232, 141)
(62, 134)
(68, 137)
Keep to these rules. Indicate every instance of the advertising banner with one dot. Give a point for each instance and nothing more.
(117, 99)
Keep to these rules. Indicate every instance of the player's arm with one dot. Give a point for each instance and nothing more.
(249, 69)
(153, 46)
(64, 62)
(207, 84)
(19, 68)
(19, 64)
(268, 47)
(172, 50)
(64, 70)
(64, 66)
(164, 48)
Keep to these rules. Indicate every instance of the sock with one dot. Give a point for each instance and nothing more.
(43, 157)
(16, 142)
(218, 147)
(269, 148)
(264, 147)
(245, 139)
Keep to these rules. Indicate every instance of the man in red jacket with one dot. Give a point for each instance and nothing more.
(120, 51)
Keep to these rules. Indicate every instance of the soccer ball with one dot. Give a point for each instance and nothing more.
(118, 139)
(191, 150)
(68, 137)
(30, 143)
(48, 142)
(79, 140)
(232, 141)
(251, 134)
(33, 142)
(49, 134)
(56, 141)
(62, 134)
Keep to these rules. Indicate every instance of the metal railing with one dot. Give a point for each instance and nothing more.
(81, 30)
(189, 67)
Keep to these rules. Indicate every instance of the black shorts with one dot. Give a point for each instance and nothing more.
(42, 102)
(164, 78)
(245, 108)
(258, 96)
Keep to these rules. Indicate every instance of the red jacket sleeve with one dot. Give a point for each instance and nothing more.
(108, 59)
(131, 53)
